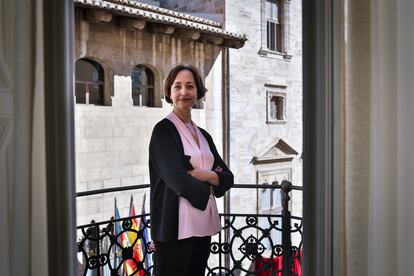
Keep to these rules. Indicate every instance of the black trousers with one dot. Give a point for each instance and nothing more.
(183, 257)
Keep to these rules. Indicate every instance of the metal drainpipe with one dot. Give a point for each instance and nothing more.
(226, 132)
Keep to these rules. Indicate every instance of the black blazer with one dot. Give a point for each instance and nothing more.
(169, 180)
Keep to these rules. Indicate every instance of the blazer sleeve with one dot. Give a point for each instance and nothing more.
(226, 177)
(169, 165)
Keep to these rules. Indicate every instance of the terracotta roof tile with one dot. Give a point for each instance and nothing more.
(161, 15)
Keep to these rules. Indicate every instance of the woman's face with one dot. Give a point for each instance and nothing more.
(184, 90)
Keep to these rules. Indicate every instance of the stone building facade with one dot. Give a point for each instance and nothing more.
(266, 104)
(253, 108)
(266, 98)
(263, 136)
(124, 49)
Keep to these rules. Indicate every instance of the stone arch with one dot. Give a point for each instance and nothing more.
(156, 84)
(108, 91)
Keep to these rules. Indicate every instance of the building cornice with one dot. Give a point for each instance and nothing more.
(210, 31)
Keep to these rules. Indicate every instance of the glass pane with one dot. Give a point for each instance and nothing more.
(276, 198)
(268, 9)
(278, 36)
(95, 95)
(88, 71)
(144, 96)
(84, 70)
(265, 199)
(136, 86)
(137, 74)
(144, 77)
(279, 108)
(138, 79)
(80, 92)
(150, 77)
(142, 86)
(275, 12)
(272, 110)
(95, 76)
(135, 98)
(271, 34)
(150, 96)
(268, 34)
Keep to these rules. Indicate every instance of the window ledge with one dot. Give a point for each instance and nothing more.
(91, 105)
(276, 122)
(265, 52)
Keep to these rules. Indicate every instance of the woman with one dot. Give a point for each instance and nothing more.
(186, 172)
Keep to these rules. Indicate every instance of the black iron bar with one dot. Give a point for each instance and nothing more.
(112, 190)
(143, 186)
(277, 223)
(286, 239)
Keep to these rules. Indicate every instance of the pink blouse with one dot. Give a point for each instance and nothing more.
(193, 222)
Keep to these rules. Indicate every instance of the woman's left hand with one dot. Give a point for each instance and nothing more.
(205, 175)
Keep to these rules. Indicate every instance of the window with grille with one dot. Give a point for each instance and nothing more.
(276, 107)
(274, 25)
(89, 84)
(142, 86)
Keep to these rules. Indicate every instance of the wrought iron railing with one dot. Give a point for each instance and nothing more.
(258, 244)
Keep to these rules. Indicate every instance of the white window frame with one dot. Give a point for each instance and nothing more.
(264, 51)
(269, 95)
(269, 175)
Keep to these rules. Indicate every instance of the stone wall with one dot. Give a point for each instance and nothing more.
(252, 74)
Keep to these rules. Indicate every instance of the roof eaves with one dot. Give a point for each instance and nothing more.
(147, 7)
(160, 18)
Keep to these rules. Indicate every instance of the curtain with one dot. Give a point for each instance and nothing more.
(379, 128)
(23, 235)
(38, 234)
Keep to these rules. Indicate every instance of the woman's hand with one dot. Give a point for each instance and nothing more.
(152, 246)
(205, 175)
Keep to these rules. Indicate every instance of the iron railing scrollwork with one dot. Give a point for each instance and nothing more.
(258, 244)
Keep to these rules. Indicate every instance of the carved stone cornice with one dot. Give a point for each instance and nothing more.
(132, 23)
(95, 15)
(187, 34)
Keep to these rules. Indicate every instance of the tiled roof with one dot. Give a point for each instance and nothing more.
(160, 15)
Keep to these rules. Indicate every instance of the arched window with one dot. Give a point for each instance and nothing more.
(89, 82)
(143, 86)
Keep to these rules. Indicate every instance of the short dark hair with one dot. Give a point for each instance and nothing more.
(169, 80)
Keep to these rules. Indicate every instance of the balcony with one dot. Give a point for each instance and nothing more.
(248, 244)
